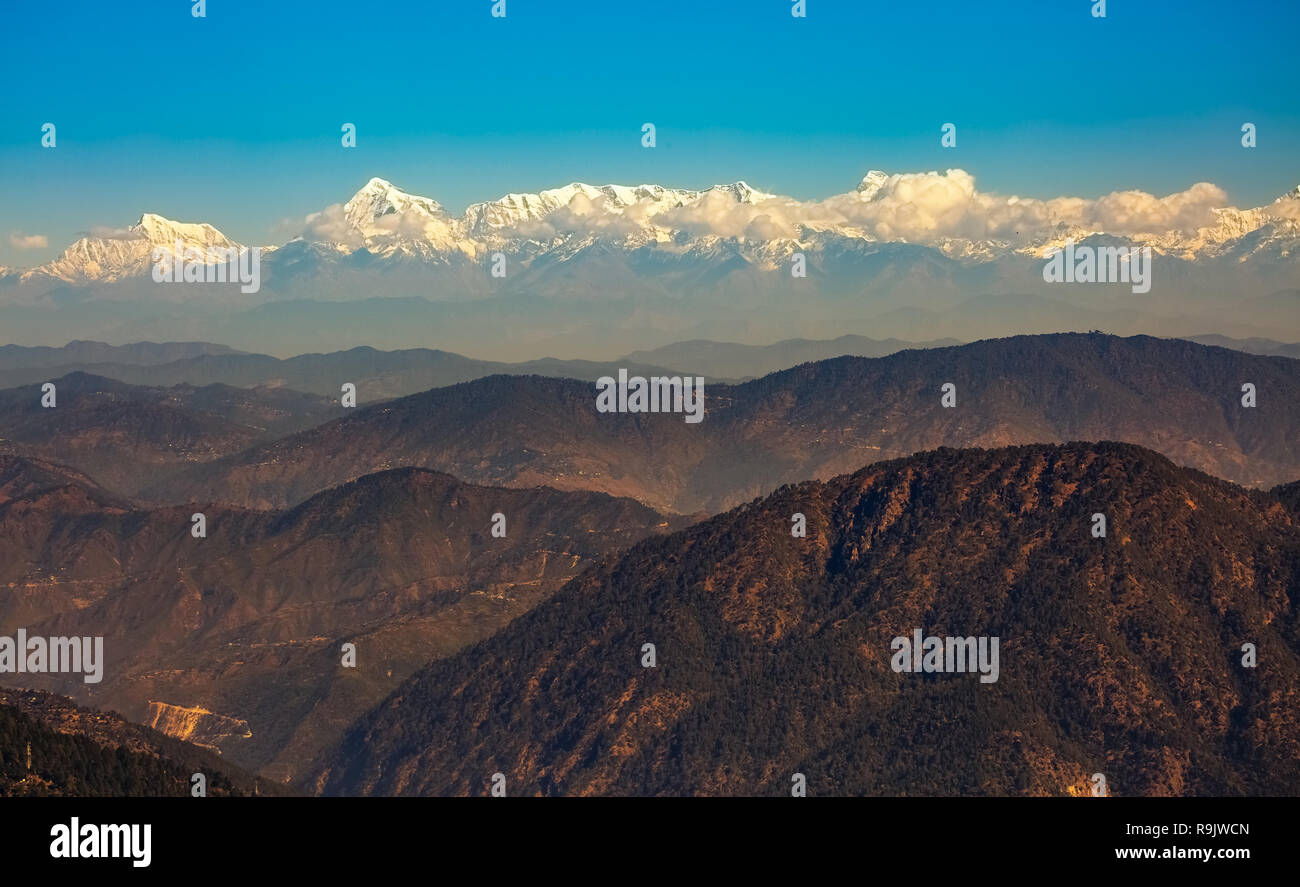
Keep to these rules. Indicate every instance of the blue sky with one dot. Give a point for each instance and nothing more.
(234, 119)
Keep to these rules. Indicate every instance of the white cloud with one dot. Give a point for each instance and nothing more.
(717, 212)
(19, 240)
(1287, 207)
(930, 207)
(330, 224)
(109, 233)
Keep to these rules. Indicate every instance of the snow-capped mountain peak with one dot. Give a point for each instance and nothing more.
(161, 231)
(105, 256)
(387, 220)
(871, 183)
(741, 192)
(379, 198)
(637, 206)
(513, 210)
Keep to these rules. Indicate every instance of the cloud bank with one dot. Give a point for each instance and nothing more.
(19, 240)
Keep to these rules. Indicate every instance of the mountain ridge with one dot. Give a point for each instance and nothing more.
(810, 421)
(381, 374)
(234, 639)
(1120, 655)
(49, 746)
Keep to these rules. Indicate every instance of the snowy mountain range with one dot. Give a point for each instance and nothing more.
(602, 270)
(722, 223)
